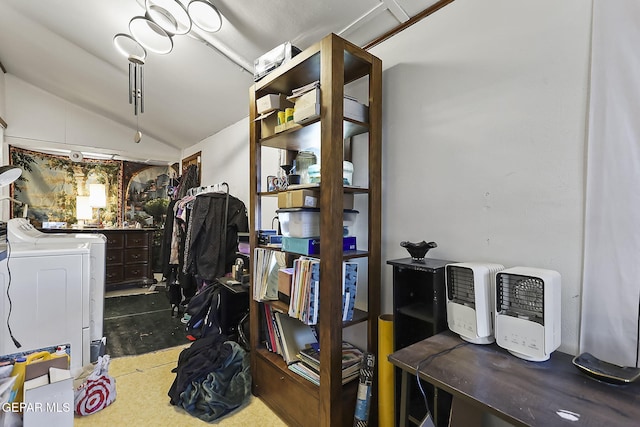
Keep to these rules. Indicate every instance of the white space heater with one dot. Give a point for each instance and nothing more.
(470, 301)
(528, 312)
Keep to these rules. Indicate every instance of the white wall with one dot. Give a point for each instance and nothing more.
(484, 120)
(225, 158)
(38, 119)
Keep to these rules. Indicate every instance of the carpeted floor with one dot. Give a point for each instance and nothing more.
(139, 324)
(144, 343)
(142, 383)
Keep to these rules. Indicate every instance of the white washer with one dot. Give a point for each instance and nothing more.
(20, 230)
(45, 287)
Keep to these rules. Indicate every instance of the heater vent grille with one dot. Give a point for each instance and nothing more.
(521, 296)
(461, 285)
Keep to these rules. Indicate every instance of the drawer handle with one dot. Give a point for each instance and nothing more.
(135, 256)
(281, 378)
(135, 271)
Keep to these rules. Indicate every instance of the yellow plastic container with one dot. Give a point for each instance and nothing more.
(19, 368)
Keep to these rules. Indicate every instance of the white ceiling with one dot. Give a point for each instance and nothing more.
(66, 48)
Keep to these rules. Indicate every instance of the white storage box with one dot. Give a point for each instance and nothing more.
(272, 102)
(300, 222)
(305, 222)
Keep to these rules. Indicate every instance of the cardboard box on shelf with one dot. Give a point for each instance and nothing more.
(305, 198)
(284, 281)
(309, 98)
(268, 123)
(307, 107)
(298, 199)
(306, 113)
(272, 102)
(286, 126)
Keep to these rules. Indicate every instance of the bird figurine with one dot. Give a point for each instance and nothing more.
(418, 250)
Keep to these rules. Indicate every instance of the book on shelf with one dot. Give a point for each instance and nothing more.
(305, 290)
(267, 264)
(295, 336)
(308, 365)
(272, 333)
(349, 289)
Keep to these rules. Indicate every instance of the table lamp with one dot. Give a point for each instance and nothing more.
(98, 198)
(84, 211)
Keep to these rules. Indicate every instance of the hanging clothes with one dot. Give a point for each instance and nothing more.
(208, 255)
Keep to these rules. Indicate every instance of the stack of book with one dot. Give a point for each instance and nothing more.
(308, 365)
(305, 290)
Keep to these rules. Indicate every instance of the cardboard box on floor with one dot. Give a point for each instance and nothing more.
(48, 394)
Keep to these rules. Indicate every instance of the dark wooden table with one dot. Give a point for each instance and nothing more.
(487, 378)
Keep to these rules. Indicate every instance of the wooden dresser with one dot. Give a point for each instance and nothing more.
(129, 254)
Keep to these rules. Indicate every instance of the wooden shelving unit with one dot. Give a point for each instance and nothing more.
(334, 62)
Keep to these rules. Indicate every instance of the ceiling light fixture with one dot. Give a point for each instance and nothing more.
(171, 15)
(154, 32)
(162, 20)
(205, 15)
(150, 35)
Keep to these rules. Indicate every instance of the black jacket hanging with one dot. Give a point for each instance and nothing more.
(208, 255)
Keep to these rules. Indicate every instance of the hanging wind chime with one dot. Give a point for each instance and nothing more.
(136, 91)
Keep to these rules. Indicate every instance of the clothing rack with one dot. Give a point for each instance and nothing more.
(215, 188)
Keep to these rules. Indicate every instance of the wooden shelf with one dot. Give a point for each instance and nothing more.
(334, 62)
(308, 136)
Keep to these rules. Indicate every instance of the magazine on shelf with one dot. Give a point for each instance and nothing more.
(349, 289)
(295, 336)
(304, 304)
(309, 363)
(267, 264)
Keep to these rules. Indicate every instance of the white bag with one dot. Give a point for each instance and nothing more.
(98, 391)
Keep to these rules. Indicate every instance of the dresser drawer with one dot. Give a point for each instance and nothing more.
(136, 271)
(114, 257)
(114, 274)
(136, 240)
(115, 240)
(133, 256)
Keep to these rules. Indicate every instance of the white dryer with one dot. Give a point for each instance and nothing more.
(45, 299)
(20, 230)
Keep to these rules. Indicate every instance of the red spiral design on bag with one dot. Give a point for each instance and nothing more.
(96, 396)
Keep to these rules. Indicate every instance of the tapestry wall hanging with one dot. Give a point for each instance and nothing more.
(55, 186)
(147, 192)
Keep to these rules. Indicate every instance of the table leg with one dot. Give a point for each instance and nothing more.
(404, 398)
